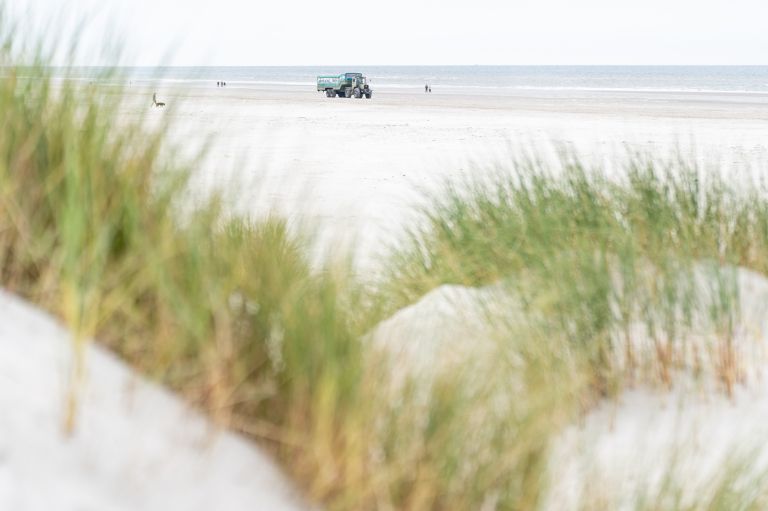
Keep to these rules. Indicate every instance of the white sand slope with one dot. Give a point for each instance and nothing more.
(136, 447)
(447, 326)
(692, 441)
(629, 446)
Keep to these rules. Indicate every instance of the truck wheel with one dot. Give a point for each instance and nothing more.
(368, 96)
(347, 92)
(329, 93)
(357, 93)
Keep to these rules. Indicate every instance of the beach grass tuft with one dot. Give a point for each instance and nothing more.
(596, 254)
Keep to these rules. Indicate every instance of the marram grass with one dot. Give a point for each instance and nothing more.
(591, 254)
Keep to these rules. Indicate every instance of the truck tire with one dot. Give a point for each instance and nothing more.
(329, 93)
(368, 95)
(357, 93)
(347, 92)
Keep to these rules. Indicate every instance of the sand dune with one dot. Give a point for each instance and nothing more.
(630, 445)
(136, 445)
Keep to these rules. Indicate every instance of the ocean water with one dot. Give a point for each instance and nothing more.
(749, 79)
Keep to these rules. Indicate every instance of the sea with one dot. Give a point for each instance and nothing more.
(722, 79)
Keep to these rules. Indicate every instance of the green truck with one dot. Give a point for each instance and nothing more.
(344, 85)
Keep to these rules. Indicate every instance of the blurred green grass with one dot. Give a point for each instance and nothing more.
(592, 252)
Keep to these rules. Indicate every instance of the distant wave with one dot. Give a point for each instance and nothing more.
(613, 89)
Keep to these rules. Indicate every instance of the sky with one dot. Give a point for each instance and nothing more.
(418, 32)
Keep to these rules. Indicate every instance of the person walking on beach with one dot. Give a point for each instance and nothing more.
(426, 88)
(430, 90)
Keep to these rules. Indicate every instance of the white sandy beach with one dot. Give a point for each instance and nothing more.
(355, 169)
(355, 166)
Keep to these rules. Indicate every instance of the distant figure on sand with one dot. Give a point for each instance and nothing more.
(426, 88)
(155, 102)
(218, 84)
(430, 90)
